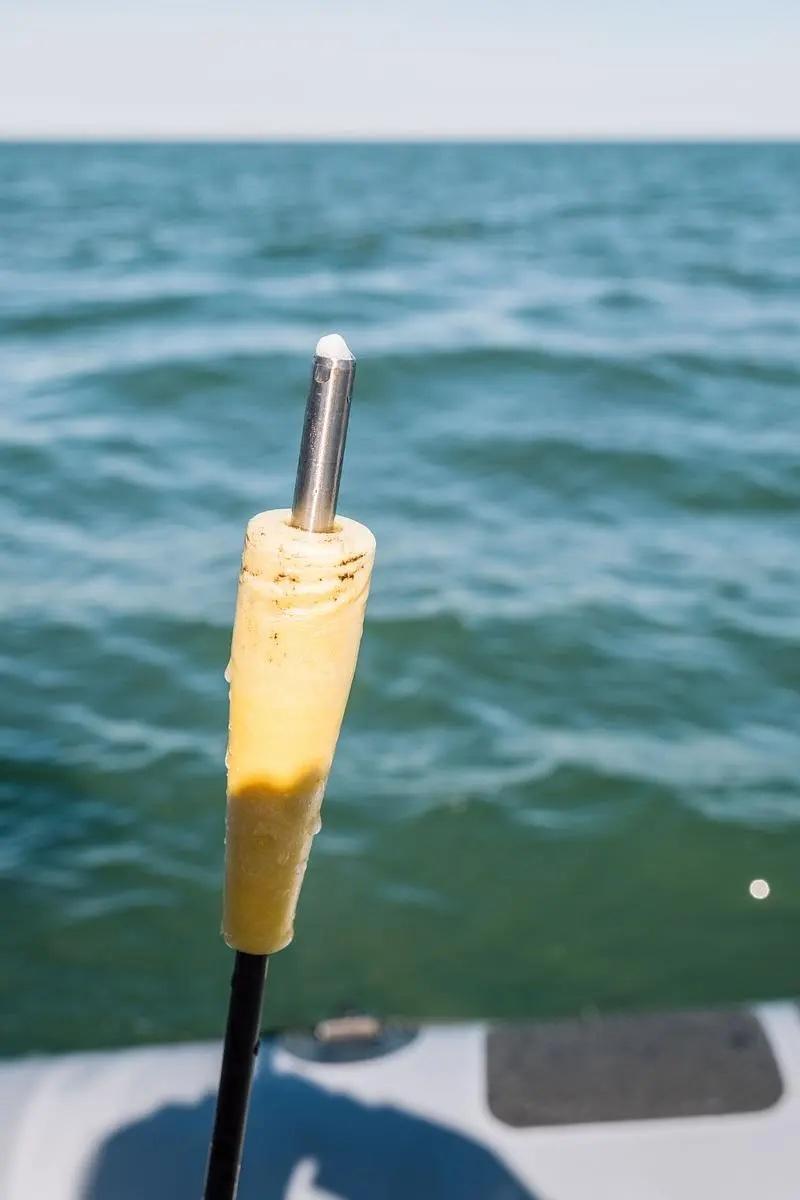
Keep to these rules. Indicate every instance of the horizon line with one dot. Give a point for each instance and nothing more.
(108, 138)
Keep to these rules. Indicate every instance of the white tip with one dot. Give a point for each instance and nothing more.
(333, 345)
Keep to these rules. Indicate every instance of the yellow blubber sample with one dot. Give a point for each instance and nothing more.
(299, 615)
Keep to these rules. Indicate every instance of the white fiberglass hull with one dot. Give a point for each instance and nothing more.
(569, 1111)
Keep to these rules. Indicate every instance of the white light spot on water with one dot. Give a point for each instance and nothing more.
(759, 889)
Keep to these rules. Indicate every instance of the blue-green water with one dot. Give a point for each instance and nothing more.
(573, 740)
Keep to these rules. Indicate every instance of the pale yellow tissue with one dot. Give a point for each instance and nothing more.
(299, 616)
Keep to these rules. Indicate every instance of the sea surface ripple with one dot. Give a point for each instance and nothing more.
(573, 738)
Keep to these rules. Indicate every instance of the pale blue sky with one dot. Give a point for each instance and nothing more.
(418, 68)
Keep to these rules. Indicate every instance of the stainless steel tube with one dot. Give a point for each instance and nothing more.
(319, 468)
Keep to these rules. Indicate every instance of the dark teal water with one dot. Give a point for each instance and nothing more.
(573, 741)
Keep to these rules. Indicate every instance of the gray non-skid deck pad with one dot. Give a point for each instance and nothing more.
(629, 1068)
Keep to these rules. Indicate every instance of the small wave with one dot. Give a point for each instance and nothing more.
(570, 468)
(731, 365)
(626, 299)
(108, 311)
(753, 281)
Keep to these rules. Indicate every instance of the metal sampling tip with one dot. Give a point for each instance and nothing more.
(319, 469)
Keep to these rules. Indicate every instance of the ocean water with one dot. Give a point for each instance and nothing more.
(573, 739)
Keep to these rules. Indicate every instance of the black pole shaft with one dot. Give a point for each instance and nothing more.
(238, 1060)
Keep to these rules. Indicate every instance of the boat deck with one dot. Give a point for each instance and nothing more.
(684, 1106)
